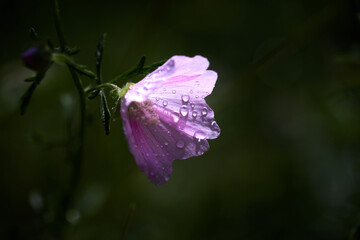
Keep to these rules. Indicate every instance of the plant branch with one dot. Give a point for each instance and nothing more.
(58, 26)
(76, 155)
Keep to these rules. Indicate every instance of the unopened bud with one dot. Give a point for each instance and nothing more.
(37, 58)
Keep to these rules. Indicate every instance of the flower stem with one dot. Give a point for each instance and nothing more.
(103, 85)
(58, 26)
(75, 155)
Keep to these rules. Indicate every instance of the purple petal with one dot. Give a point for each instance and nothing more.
(156, 146)
(184, 97)
(165, 116)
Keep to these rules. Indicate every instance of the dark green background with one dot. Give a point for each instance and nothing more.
(286, 165)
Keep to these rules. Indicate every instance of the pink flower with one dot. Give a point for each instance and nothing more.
(165, 116)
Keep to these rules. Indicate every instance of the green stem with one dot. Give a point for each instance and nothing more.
(58, 26)
(103, 85)
(76, 156)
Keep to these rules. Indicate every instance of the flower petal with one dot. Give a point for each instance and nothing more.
(156, 146)
(184, 98)
(175, 67)
(169, 118)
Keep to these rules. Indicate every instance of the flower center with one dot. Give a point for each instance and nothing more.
(144, 112)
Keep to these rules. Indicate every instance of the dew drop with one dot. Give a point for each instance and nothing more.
(166, 143)
(180, 144)
(185, 98)
(197, 96)
(184, 111)
(171, 64)
(199, 135)
(204, 112)
(165, 103)
(147, 85)
(176, 118)
(173, 91)
(213, 123)
(191, 91)
(194, 114)
(192, 105)
(157, 98)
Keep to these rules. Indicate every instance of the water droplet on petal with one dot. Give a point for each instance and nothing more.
(166, 143)
(147, 85)
(192, 105)
(194, 114)
(157, 98)
(165, 103)
(173, 91)
(176, 118)
(180, 144)
(204, 112)
(185, 98)
(197, 96)
(213, 123)
(184, 111)
(171, 63)
(199, 135)
(191, 91)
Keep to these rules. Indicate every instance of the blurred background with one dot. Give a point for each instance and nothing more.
(287, 100)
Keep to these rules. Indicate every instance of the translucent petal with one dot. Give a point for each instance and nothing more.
(175, 67)
(156, 146)
(169, 118)
(184, 97)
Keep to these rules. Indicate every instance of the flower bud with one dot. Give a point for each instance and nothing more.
(37, 58)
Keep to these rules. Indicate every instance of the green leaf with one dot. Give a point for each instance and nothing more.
(105, 113)
(140, 65)
(26, 97)
(65, 59)
(150, 68)
(139, 69)
(99, 54)
(93, 94)
(72, 51)
(82, 69)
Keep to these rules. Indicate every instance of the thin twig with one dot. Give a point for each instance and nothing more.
(58, 26)
(75, 156)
